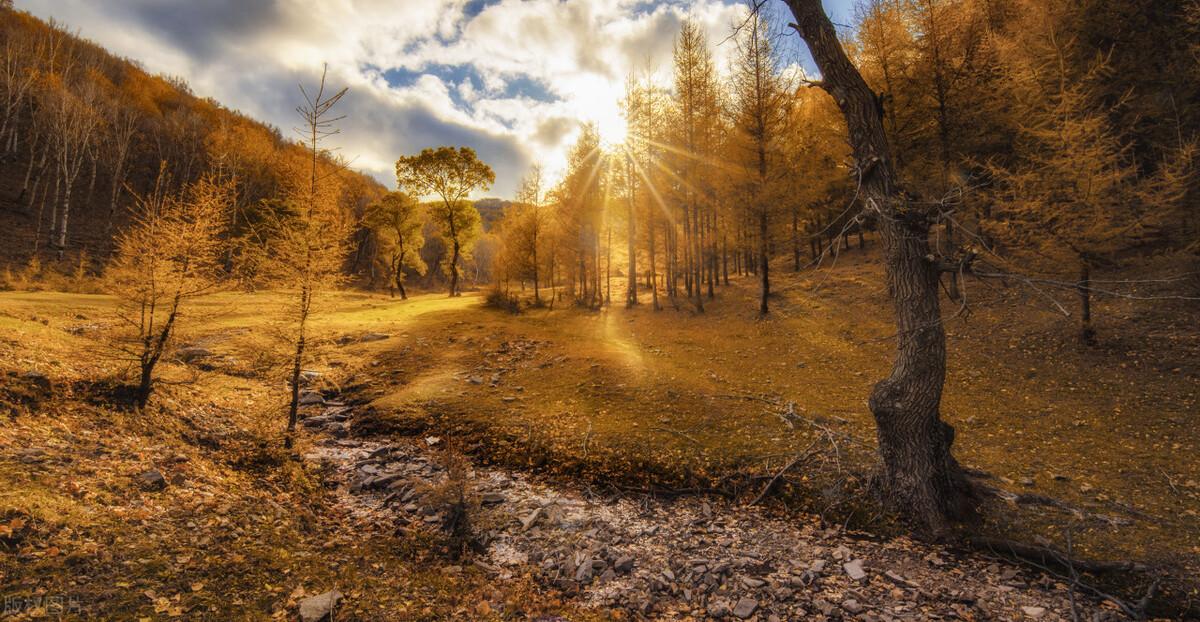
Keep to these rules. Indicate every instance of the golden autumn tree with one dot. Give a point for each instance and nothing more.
(396, 220)
(167, 258)
(308, 237)
(451, 175)
(1074, 194)
(760, 101)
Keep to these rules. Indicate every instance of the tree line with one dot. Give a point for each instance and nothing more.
(1042, 135)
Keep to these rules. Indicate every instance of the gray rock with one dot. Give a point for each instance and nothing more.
(623, 564)
(317, 421)
(745, 608)
(583, 573)
(855, 570)
(474, 380)
(373, 337)
(753, 583)
(492, 498)
(309, 376)
(191, 354)
(719, 609)
(320, 607)
(152, 480)
(311, 397)
(382, 481)
(1034, 612)
(528, 521)
(852, 606)
(818, 566)
(607, 575)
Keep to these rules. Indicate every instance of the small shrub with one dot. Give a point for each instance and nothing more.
(497, 299)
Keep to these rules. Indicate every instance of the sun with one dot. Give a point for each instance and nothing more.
(598, 100)
(612, 127)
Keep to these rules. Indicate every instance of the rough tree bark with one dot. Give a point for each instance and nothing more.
(919, 478)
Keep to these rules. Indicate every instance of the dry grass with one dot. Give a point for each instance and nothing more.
(614, 399)
(241, 532)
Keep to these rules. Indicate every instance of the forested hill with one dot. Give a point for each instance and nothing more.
(84, 132)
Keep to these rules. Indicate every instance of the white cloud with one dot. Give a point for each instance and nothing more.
(510, 80)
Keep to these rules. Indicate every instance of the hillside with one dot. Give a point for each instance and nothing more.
(86, 133)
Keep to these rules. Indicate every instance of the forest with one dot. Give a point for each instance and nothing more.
(891, 319)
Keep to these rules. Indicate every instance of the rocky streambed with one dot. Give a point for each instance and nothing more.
(691, 558)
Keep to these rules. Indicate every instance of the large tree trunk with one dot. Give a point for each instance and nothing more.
(919, 477)
(454, 270)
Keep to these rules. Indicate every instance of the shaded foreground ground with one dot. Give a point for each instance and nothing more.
(626, 401)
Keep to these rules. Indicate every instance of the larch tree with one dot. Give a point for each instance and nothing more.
(168, 257)
(761, 111)
(919, 476)
(647, 120)
(396, 220)
(581, 212)
(530, 196)
(629, 108)
(451, 175)
(308, 237)
(1075, 194)
(692, 140)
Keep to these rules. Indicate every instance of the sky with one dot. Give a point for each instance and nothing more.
(512, 79)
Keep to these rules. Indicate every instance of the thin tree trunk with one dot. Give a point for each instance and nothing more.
(653, 277)
(795, 238)
(1087, 334)
(297, 362)
(762, 260)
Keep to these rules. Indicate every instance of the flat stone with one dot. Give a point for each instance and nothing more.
(583, 573)
(1034, 612)
(311, 397)
(152, 480)
(718, 610)
(492, 498)
(373, 337)
(623, 564)
(753, 583)
(852, 606)
(817, 566)
(320, 607)
(529, 520)
(745, 608)
(382, 481)
(316, 422)
(855, 570)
